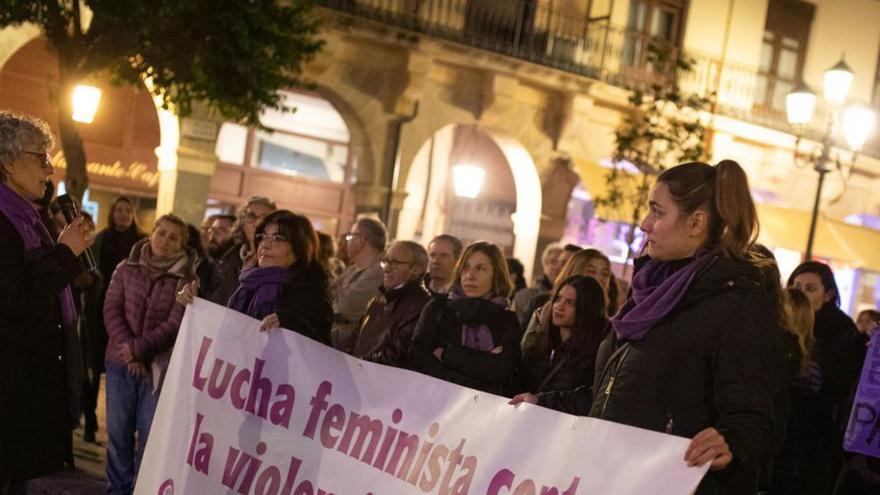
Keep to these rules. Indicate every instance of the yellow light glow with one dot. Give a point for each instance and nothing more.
(468, 180)
(858, 125)
(799, 106)
(85, 103)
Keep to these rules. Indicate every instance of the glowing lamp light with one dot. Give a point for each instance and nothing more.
(837, 82)
(858, 125)
(799, 105)
(468, 180)
(85, 103)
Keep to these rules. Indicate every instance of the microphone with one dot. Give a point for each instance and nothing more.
(70, 212)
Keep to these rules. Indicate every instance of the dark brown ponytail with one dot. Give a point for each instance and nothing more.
(737, 212)
(723, 191)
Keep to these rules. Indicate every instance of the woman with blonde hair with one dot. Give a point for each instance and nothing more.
(471, 338)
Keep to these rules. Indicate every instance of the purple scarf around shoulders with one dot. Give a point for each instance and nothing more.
(656, 290)
(258, 290)
(22, 214)
(477, 337)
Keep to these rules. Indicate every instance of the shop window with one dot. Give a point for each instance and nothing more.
(231, 143)
(783, 52)
(301, 156)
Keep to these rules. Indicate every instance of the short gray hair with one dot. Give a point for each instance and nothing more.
(17, 131)
(373, 231)
(548, 250)
(418, 254)
(261, 200)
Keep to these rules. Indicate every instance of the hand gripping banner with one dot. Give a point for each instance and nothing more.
(276, 413)
(863, 433)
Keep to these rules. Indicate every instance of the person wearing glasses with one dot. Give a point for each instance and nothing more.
(471, 338)
(387, 327)
(358, 283)
(223, 279)
(37, 311)
(287, 287)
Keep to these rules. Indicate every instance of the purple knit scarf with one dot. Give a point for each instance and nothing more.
(477, 337)
(24, 217)
(656, 290)
(258, 290)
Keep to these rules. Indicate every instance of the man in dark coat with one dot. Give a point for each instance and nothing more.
(386, 329)
(37, 312)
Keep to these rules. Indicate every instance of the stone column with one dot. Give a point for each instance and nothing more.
(186, 167)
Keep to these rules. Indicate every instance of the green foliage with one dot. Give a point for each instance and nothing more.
(234, 55)
(665, 128)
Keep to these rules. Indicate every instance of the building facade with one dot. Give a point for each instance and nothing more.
(411, 94)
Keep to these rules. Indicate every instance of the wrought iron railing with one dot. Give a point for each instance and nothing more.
(529, 30)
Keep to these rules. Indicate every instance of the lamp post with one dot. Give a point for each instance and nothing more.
(857, 125)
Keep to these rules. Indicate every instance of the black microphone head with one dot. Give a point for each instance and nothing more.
(68, 207)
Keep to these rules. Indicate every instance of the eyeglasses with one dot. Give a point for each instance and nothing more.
(42, 157)
(273, 238)
(251, 217)
(393, 263)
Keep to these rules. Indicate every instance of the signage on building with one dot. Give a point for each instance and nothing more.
(135, 171)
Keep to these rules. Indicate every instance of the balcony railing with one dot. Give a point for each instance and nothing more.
(529, 30)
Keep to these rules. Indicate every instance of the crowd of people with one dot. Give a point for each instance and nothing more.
(704, 343)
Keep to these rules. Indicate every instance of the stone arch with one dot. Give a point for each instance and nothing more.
(425, 187)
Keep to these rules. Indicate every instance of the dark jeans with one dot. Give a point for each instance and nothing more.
(131, 405)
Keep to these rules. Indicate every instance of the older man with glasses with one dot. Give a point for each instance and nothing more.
(358, 283)
(386, 329)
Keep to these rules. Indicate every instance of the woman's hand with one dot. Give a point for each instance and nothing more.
(438, 353)
(187, 294)
(526, 397)
(709, 445)
(125, 352)
(497, 350)
(76, 236)
(138, 370)
(270, 322)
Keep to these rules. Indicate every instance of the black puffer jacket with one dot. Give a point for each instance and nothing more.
(706, 364)
(440, 325)
(304, 302)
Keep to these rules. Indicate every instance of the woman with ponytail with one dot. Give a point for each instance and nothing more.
(688, 354)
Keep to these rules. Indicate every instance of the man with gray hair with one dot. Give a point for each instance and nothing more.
(358, 283)
(387, 327)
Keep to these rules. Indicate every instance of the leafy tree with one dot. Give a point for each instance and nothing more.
(664, 129)
(232, 55)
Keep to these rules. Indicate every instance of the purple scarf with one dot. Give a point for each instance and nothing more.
(24, 217)
(656, 290)
(477, 337)
(258, 290)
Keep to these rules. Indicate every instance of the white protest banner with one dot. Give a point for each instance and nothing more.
(252, 413)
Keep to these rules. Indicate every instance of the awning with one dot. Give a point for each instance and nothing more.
(594, 179)
(789, 228)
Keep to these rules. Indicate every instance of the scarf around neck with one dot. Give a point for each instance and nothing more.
(156, 266)
(477, 337)
(22, 214)
(656, 290)
(258, 290)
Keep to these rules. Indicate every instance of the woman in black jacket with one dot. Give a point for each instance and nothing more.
(37, 311)
(563, 356)
(471, 338)
(288, 287)
(838, 354)
(689, 354)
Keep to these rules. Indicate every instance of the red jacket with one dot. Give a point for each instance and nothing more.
(143, 311)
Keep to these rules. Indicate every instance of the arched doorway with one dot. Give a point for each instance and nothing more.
(304, 162)
(120, 143)
(475, 183)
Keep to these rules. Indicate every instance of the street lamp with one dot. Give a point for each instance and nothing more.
(467, 180)
(85, 103)
(857, 123)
